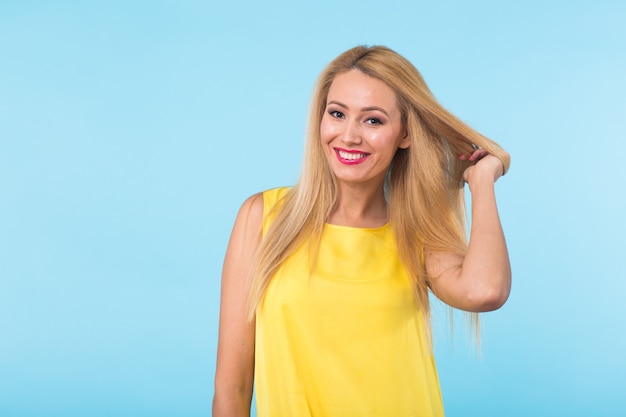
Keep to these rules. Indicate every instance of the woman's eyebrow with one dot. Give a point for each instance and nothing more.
(380, 109)
(369, 108)
(338, 103)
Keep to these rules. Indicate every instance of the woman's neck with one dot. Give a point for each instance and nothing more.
(358, 207)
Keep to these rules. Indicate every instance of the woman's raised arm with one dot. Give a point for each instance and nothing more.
(480, 280)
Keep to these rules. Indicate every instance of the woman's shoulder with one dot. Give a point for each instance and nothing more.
(250, 215)
(259, 207)
(265, 198)
(272, 196)
(272, 201)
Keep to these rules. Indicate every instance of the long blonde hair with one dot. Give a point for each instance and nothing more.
(424, 184)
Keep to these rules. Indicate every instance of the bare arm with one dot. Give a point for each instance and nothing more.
(234, 376)
(480, 280)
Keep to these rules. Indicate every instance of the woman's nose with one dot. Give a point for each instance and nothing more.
(351, 135)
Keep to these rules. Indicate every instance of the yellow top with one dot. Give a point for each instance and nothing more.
(348, 340)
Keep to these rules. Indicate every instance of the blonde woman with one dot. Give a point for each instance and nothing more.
(324, 303)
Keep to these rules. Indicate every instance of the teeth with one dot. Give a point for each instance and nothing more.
(351, 156)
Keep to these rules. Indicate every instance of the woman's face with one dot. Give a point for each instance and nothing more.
(361, 129)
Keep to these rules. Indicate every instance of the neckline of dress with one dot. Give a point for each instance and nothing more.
(366, 229)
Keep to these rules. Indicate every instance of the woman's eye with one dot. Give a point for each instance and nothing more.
(374, 121)
(336, 113)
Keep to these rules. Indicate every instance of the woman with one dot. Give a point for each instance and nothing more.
(325, 285)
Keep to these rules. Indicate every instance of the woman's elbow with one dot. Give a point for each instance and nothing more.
(488, 298)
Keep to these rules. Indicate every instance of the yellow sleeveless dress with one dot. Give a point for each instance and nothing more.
(348, 340)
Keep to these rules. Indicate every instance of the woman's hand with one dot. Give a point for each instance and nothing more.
(484, 165)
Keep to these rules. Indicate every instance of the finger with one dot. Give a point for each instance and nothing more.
(478, 154)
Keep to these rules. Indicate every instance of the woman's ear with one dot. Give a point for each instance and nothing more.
(406, 141)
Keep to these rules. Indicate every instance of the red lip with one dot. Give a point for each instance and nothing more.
(346, 161)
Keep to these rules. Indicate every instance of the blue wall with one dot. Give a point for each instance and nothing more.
(130, 132)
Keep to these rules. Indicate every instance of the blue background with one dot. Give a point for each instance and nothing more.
(130, 133)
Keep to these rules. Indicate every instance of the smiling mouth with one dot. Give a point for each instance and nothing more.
(350, 157)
